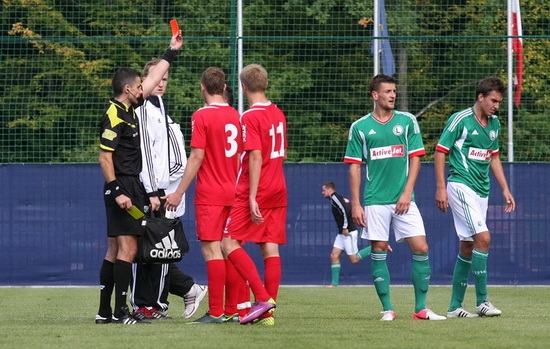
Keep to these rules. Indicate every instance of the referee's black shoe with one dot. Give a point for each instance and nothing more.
(100, 320)
(128, 319)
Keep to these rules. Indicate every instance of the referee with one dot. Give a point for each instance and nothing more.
(120, 162)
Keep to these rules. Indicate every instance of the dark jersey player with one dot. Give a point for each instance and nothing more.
(346, 239)
(120, 162)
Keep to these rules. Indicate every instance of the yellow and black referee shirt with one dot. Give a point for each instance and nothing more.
(119, 134)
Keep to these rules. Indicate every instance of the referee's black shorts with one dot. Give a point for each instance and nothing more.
(120, 222)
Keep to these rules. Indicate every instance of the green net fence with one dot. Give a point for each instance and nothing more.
(58, 57)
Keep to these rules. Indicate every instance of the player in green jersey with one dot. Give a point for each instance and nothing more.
(470, 138)
(390, 144)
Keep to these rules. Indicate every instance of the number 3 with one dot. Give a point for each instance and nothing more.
(231, 140)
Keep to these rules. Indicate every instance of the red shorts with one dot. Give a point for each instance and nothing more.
(211, 220)
(241, 227)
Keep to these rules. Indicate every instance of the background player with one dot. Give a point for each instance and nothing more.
(346, 239)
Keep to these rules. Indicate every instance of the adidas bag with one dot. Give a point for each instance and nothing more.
(162, 240)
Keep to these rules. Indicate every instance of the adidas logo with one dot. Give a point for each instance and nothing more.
(475, 133)
(166, 248)
(372, 132)
(167, 242)
(378, 279)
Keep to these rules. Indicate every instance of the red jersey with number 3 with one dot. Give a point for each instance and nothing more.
(264, 128)
(216, 129)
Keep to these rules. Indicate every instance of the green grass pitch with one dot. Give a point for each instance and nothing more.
(306, 317)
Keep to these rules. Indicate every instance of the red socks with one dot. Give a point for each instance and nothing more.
(232, 287)
(215, 271)
(247, 269)
(272, 275)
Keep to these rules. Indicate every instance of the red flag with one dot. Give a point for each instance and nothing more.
(517, 47)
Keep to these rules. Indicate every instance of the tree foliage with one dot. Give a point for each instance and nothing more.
(58, 57)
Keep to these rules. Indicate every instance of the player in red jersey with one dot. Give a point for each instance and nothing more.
(259, 212)
(216, 143)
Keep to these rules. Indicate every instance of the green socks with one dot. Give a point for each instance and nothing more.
(381, 278)
(479, 270)
(364, 252)
(421, 272)
(478, 265)
(335, 268)
(460, 281)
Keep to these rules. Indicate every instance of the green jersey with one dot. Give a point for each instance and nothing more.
(385, 149)
(470, 146)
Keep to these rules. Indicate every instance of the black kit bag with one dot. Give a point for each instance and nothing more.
(162, 240)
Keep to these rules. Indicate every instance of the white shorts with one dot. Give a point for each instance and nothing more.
(381, 217)
(364, 231)
(469, 210)
(347, 243)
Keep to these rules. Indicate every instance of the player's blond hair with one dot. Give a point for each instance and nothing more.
(150, 65)
(254, 77)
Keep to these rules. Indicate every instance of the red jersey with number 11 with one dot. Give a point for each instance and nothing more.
(216, 129)
(264, 128)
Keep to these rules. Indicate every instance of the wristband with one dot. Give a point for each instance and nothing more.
(169, 55)
(113, 188)
(153, 194)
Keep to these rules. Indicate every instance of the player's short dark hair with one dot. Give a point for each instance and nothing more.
(228, 95)
(377, 80)
(123, 77)
(329, 185)
(491, 83)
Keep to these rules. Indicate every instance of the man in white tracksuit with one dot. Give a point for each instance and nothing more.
(164, 160)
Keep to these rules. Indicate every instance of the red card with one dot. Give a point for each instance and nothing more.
(174, 26)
